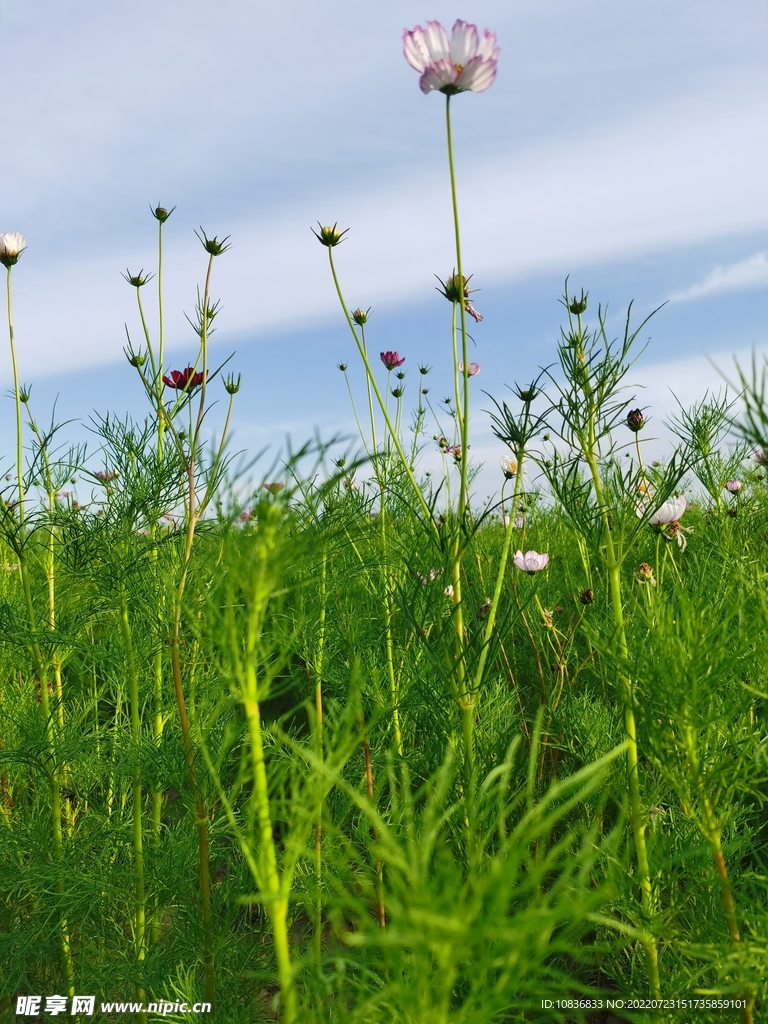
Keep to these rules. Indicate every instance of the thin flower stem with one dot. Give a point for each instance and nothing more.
(464, 418)
(374, 444)
(382, 405)
(17, 398)
(357, 419)
(158, 719)
(193, 513)
(466, 698)
(156, 371)
(490, 621)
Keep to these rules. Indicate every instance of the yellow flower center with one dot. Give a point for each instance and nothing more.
(459, 68)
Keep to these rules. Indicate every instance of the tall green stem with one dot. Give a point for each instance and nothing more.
(466, 698)
(138, 839)
(17, 398)
(200, 812)
(158, 722)
(267, 872)
(613, 565)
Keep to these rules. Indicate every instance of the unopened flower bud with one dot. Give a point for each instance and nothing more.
(232, 384)
(160, 213)
(136, 359)
(397, 392)
(329, 236)
(213, 245)
(137, 280)
(360, 316)
(733, 486)
(342, 367)
(635, 420)
(424, 370)
(578, 306)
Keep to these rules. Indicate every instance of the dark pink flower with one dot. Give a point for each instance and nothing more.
(183, 379)
(466, 63)
(391, 360)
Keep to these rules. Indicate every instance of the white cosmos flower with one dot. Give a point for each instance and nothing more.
(531, 561)
(12, 244)
(466, 63)
(669, 512)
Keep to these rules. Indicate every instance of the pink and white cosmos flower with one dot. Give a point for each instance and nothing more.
(472, 368)
(466, 63)
(669, 512)
(531, 561)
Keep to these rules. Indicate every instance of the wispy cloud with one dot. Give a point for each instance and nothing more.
(749, 273)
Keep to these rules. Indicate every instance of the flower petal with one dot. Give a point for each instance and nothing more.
(436, 41)
(463, 42)
(416, 53)
(436, 76)
(487, 46)
(477, 75)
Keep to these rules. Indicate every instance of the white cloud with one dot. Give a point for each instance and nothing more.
(646, 187)
(749, 273)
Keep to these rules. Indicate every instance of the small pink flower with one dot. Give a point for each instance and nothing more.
(391, 359)
(455, 451)
(531, 561)
(465, 64)
(734, 486)
(472, 368)
(183, 379)
(448, 592)
(274, 488)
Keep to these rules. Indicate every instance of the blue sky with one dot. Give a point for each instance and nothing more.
(623, 145)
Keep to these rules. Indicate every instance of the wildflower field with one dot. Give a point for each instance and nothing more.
(340, 743)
